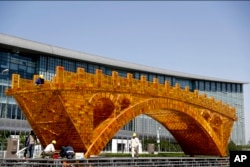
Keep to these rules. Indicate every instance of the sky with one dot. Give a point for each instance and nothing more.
(208, 38)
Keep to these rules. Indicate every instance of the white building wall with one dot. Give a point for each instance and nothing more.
(115, 143)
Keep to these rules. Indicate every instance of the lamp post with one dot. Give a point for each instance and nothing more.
(168, 141)
(5, 71)
(158, 138)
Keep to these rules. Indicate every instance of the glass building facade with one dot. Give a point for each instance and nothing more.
(27, 60)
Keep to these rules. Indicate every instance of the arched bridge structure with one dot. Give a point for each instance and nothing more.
(86, 110)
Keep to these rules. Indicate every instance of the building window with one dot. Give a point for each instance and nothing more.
(128, 126)
(82, 65)
(201, 86)
(52, 63)
(233, 88)
(69, 65)
(183, 82)
(213, 87)
(137, 75)
(42, 64)
(161, 79)
(239, 88)
(122, 73)
(218, 86)
(92, 68)
(229, 87)
(151, 77)
(144, 74)
(223, 87)
(120, 147)
(169, 79)
(108, 71)
(207, 86)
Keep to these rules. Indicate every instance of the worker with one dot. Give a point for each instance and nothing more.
(39, 80)
(49, 150)
(134, 145)
(67, 152)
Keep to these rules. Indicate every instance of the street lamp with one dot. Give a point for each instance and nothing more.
(158, 138)
(5, 71)
(169, 141)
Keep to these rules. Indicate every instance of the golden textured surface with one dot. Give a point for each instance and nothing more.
(86, 110)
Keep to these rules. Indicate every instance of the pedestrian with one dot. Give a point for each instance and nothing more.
(67, 152)
(134, 145)
(26, 143)
(39, 80)
(49, 150)
(30, 142)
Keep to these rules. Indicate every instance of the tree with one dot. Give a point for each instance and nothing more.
(3, 139)
(232, 147)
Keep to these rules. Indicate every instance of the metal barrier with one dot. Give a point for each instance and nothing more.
(119, 162)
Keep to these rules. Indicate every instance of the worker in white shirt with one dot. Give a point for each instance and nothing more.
(134, 145)
(49, 150)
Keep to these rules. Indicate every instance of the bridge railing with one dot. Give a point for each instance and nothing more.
(83, 80)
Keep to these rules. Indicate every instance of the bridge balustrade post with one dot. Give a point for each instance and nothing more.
(115, 79)
(143, 83)
(98, 77)
(59, 74)
(167, 85)
(73, 78)
(15, 80)
(155, 81)
(187, 88)
(177, 86)
(196, 93)
(129, 80)
(69, 78)
(80, 75)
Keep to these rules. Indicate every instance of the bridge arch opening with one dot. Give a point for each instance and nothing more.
(149, 131)
(189, 129)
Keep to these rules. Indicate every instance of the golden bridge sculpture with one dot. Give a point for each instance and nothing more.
(86, 110)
